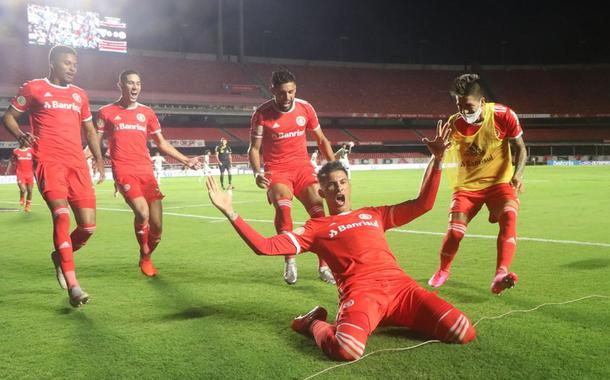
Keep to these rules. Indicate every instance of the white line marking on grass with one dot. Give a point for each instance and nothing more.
(438, 341)
(522, 238)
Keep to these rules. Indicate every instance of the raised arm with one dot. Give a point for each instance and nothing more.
(283, 244)
(405, 212)
(518, 146)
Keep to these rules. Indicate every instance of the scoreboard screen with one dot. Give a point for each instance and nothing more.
(86, 30)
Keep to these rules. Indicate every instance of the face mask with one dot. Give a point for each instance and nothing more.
(471, 118)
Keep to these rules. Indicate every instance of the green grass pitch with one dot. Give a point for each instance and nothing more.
(217, 311)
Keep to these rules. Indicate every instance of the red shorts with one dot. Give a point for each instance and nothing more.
(60, 181)
(132, 185)
(25, 179)
(398, 302)
(297, 179)
(470, 202)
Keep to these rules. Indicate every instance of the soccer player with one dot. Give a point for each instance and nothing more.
(206, 163)
(279, 126)
(58, 109)
(480, 165)
(128, 124)
(342, 156)
(225, 161)
(158, 161)
(373, 289)
(24, 170)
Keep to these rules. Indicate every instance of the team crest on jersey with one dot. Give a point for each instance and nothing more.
(347, 304)
(298, 231)
(141, 118)
(21, 100)
(76, 98)
(301, 121)
(126, 187)
(365, 216)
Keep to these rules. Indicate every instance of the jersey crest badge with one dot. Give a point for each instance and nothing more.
(301, 121)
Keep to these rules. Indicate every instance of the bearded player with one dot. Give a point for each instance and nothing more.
(128, 124)
(279, 127)
(58, 110)
(24, 171)
(373, 289)
(480, 165)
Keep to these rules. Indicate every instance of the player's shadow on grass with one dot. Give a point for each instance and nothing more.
(401, 332)
(588, 264)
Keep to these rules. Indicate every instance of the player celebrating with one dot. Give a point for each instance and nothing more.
(158, 161)
(342, 156)
(57, 111)
(225, 161)
(127, 124)
(481, 169)
(373, 288)
(278, 126)
(24, 170)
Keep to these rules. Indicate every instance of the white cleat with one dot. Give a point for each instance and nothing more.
(290, 272)
(326, 275)
(58, 272)
(78, 297)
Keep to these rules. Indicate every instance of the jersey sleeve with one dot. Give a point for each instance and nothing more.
(403, 213)
(282, 244)
(256, 125)
(100, 123)
(229, 149)
(23, 100)
(510, 125)
(312, 118)
(85, 111)
(153, 125)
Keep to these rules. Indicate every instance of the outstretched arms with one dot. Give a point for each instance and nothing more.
(283, 244)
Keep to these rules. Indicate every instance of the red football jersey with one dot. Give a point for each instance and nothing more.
(56, 116)
(23, 161)
(127, 130)
(284, 133)
(505, 120)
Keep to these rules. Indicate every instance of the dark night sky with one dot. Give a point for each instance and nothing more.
(439, 32)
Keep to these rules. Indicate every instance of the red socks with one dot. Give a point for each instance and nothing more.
(142, 232)
(63, 244)
(80, 235)
(507, 238)
(451, 243)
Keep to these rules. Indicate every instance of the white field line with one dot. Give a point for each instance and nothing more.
(220, 219)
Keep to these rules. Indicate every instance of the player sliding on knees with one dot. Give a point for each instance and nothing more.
(480, 167)
(373, 288)
(127, 124)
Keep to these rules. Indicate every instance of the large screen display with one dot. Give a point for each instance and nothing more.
(87, 30)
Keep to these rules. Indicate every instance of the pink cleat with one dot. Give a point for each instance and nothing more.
(503, 281)
(439, 278)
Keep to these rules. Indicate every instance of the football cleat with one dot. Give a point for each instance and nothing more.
(78, 297)
(27, 208)
(503, 281)
(326, 275)
(301, 323)
(147, 267)
(439, 278)
(58, 272)
(290, 272)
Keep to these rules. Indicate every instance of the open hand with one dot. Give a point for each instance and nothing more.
(220, 199)
(439, 145)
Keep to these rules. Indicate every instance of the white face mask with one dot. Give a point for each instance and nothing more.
(471, 118)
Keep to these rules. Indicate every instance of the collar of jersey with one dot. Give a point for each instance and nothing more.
(55, 85)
